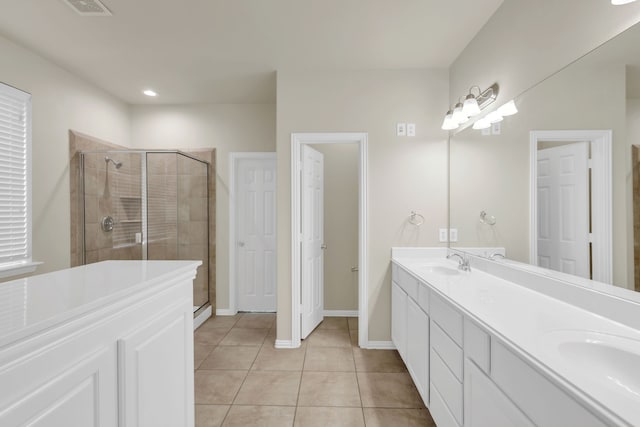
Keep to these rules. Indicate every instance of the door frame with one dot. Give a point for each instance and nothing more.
(234, 158)
(297, 140)
(600, 142)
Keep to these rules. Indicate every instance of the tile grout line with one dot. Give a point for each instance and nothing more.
(355, 368)
(304, 360)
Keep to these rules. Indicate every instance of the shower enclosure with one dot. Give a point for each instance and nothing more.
(146, 205)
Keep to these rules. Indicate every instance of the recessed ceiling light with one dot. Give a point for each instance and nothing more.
(150, 92)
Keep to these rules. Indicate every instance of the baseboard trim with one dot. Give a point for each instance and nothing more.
(381, 345)
(340, 313)
(202, 317)
(225, 312)
(285, 344)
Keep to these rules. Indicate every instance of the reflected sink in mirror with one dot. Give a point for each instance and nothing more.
(609, 359)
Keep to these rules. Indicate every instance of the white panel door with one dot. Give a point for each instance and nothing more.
(312, 239)
(256, 234)
(563, 208)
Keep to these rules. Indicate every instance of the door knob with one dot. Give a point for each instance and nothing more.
(323, 247)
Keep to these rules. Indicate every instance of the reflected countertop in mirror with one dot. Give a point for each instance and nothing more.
(556, 181)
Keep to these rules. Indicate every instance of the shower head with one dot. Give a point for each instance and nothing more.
(118, 165)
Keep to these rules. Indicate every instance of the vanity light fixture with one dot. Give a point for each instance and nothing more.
(620, 2)
(449, 123)
(508, 109)
(150, 92)
(471, 106)
(458, 116)
(494, 117)
(482, 123)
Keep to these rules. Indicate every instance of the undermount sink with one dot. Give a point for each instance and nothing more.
(610, 359)
(443, 270)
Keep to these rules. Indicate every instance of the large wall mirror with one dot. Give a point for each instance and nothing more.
(558, 184)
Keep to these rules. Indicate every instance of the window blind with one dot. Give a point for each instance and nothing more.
(15, 141)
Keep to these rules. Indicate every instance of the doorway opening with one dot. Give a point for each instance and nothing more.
(307, 222)
(571, 202)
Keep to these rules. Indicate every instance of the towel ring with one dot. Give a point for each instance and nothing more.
(487, 219)
(416, 219)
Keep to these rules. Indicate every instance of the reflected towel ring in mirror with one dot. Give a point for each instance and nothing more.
(487, 219)
(416, 219)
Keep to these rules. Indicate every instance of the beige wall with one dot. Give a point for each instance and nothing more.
(61, 101)
(404, 173)
(228, 128)
(340, 225)
(525, 41)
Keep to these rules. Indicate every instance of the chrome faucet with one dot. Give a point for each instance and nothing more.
(495, 255)
(464, 261)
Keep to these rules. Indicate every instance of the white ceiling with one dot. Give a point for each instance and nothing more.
(227, 51)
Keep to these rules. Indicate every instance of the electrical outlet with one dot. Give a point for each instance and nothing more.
(443, 235)
(496, 128)
(401, 129)
(411, 129)
(453, 234)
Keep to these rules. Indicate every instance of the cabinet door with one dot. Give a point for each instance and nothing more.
(156, 366)
(399, 320)
(83, 394)
(418, 348)
(485, 404)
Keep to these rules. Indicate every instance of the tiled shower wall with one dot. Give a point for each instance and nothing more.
(116, 193)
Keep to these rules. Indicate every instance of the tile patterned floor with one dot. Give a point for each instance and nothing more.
(242, 380)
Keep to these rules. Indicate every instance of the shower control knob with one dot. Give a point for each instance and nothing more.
(107, 223)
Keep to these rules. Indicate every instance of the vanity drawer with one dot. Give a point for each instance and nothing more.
(446, 317)
(447, 385)
(477, 345)
(423, 297)
(537, 397)
(448, 350)
(439, 410)
(408, 283)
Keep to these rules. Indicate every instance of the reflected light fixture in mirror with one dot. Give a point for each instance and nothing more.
(621, 2)
(508, 109)
(458, 116)
(470, 108)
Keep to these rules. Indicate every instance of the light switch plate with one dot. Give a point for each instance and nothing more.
(411, 129)
(453, 234)
(401, 129)
(496, 128)
(443, 235)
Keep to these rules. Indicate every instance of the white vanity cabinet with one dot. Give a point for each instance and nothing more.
(107, 344)
(410, 327)
(469, 377)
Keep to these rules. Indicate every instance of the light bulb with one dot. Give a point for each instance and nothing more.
(449, 123)
(470, 107)
(458, 116)
(482, 123)
(493, 117)
(508, 109)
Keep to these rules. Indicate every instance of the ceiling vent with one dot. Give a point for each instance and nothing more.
(88, 7)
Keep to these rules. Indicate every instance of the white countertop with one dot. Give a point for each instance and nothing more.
(533, 322)
(35, 303)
